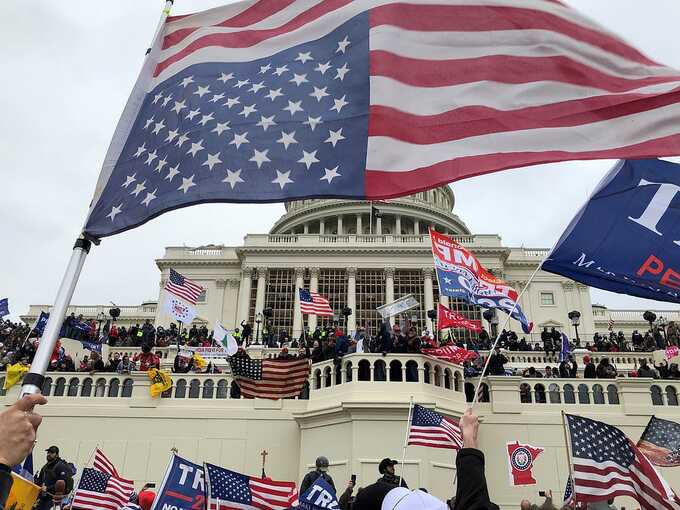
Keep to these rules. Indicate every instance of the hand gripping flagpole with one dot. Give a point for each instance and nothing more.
(33, 380)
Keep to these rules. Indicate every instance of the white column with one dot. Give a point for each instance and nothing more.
(313, 287)
(305, 228)
(244, 295)
(340, 232)
(360, 228)
(230, 303)
(261, 282)
(219, 300)
(322, 227)
(297, 315)
(429, 297)
(397, 225)
(389, 287)
(378, 225)
(416, 227)
(352, 299)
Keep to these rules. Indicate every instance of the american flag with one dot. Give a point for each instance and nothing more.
(103, 464)
(261, 101)
(568, 491)
(429, 428)
(270, 378)
(97, 491)
(314, 304)
(452, 354)
(660, 442)
(229, 490)
(607, 464)
(611, 324)
(183, 287)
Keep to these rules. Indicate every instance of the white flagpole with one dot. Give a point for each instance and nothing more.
(33, 380)
(408, 428)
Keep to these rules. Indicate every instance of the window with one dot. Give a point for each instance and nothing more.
(280, 297)
(201, 297)
(333, 286)
(547, 299)
(411, 282)
(370, 294)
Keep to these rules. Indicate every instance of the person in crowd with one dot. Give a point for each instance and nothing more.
(548, 372)
(346, 500)
(147, 359)
(50, 474)
(605, 370)
(114, 361)
(386, 469)
(126, 365)
(321, 471)
(589, 371)
(18, 426)
(497, 363)
(96, 363)
(644, 370)
(181, 365)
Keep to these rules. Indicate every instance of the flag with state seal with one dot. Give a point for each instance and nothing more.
(269, 101)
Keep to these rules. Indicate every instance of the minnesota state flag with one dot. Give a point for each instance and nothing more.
(161, 381)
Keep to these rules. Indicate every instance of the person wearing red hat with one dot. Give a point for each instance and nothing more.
(146, 498)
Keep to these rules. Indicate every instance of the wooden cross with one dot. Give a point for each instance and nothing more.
(264, 460)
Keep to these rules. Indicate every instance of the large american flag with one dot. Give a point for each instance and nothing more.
(271, 378)
(97, 491)
(103, 464)
(313, 303)
(608, 464)
(229, 490)
(429, 428)
(660, 442)
(262, 101)
(182, 287)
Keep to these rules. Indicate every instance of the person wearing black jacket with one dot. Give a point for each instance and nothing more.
(52, 472)
(497, 362)
(180, 366)
(18, 426)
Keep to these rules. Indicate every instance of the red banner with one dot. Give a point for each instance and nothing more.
(448, 319)
(451, 353)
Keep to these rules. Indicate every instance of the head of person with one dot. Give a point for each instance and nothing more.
(525, 505)
(386, 466)
(52, 453)
(322, 464)
(643, 362)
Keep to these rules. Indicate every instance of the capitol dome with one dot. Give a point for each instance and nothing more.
(409, 215)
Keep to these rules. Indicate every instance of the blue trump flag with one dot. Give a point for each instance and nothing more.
(40, 323)
(319, 496)
(626, 238)
(183, 486)
(565, 349)
(4, 307)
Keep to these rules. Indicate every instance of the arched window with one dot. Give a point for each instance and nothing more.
(671, 396)
(100, 388)
(181, 388)
(86, 387)
(348, 371)
(73, 387)
(583, 395)
(47, 386)
(554, 394)
(437, 375)
(539, 392)
(114, 386)
(60, 387)
(208, 388)
(194, 388)
(411, 371)
(469, 392)
(364, 370)
(457, 381)
(235, 390)
(569, 396)
(612, 394)
(427, 372)
(127, 388)
(447, 379)
(657, 398)
(379, 371)
(317, 379)
(327, 377)
(598, 394)
(304, 394)
(525, 393)
(222, 389)
(395, 371)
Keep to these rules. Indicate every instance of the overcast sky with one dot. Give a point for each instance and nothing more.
(67, 69)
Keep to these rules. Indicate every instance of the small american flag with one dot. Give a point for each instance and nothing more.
(569, 491)
(97, 491)
(314, 304)
(607, 464)
(182, 287)
(103, 464)
(611, 325)
(271, 378)
(228, 490)
(429, 428)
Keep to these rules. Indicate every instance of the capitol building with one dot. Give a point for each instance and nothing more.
(358, 255)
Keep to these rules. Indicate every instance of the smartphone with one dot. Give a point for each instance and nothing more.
(354, 479)
(541, 494)
(151, 485)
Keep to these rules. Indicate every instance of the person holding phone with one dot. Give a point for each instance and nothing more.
(346, 498)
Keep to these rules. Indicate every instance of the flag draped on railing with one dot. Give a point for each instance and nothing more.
(274, 101)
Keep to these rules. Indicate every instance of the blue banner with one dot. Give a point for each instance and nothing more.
(626, 238)
(92, 346)
(40, 323)
(4, 307)
(320, 496)
(182, 487)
